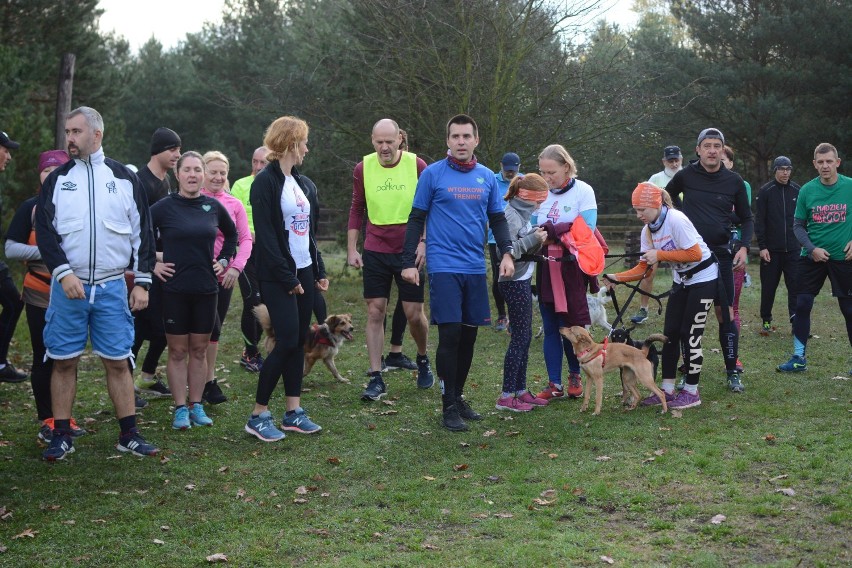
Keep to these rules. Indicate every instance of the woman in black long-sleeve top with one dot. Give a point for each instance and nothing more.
(289, 268)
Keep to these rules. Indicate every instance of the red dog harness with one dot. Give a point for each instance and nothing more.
(320, 336)
(601, 353)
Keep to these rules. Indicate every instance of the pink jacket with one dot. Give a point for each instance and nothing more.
(238, 215)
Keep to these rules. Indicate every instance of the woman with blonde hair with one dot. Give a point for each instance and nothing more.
(288, 269)
(562, 285)
(524, 196)
(216, 167)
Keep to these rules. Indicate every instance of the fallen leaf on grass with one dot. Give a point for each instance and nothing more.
(428, 546)
(319, 532)
(718, 519)
(158, 541)
(89, 420)
(648, 460)
(603, 458)
(488, 433)
(464, 444)
(460, 467)
(241, 493)
(543, 502)
(777, 477)
(428, 478)
(301, 490)
(659, 452)
(218, 557)
(388, 413)
(553, 456)
(334, 461)
(5, 515)
(114, 457)
(165, 528)
(676, 414)
(99, 521)
(548, 493)
(69, 522)
(165, 459)
(503, 515)
(388, 402)
(371, 426)
(839, 378)
(189, 486)
(29, 533)
(715, 350)
(788, 491)
(512, 434)
(223, 469)
(480, 515)
(2, 549)
(300, 501)
(607, 559)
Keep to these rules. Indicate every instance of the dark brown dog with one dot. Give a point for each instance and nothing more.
(322, 343)
(597, 358)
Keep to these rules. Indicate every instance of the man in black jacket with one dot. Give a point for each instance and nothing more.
(708, 192)
(779, 249)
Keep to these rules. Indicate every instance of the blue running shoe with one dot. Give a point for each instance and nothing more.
(198, 417)
(425, 378)
(60, 446)
(796, 364)
(735, 383)
(181, 420)
(134, 443)
(263, 428)
(299, 422)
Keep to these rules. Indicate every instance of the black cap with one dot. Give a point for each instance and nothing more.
(671, 152)
(164, 139)
(7, 142)
(781, 162)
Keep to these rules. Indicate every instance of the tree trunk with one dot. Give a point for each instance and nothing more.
(63, 96)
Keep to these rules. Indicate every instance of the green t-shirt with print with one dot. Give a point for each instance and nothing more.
(825, 208)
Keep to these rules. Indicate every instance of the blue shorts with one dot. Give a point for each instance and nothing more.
(104, 315)
(459, 298)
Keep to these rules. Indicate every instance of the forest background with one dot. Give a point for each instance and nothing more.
(773, 75)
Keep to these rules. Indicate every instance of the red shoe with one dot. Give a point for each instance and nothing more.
(552, 392)
(575, 385)
(739, 367)
(529, 398)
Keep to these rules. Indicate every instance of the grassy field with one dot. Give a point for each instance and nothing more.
(385, 485)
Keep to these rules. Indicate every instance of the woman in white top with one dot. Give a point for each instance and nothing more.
(669, 236)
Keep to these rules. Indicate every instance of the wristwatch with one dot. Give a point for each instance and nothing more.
(144, 285)
(223, 262)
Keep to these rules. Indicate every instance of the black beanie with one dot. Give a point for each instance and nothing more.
(164, 139)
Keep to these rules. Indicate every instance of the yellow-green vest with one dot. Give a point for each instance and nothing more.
(389, 192)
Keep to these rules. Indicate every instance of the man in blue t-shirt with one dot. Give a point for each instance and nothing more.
(455, 199)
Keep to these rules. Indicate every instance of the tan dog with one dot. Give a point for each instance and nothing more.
(597, 358)
(322, 343)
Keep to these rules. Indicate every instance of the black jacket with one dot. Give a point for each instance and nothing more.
(773, 221)
(271, 250)
(708, 199)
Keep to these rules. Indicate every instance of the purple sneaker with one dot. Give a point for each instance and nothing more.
(654, 400)
(531, 399)
(685, 399)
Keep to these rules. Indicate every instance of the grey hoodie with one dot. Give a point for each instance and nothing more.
(524, 241)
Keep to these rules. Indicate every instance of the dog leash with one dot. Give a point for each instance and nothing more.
(634, 289)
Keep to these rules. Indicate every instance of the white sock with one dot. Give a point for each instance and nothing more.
(505, 395)
(668, 385)
(691, 389)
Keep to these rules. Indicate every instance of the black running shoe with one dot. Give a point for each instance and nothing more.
(134, 443)
(465, 411)
(396, 361)
(213, 393)
(9, 374)
(452, 421)
(425, 378)
(60, 446)
(140, 402)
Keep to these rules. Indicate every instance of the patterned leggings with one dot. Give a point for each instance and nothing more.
(518, 296)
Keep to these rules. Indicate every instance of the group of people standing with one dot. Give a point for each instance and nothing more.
(103, 244)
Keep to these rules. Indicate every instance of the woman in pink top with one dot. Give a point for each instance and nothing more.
(216, 185)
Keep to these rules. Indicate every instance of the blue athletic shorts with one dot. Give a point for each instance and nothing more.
(459, 298)
(104, 316)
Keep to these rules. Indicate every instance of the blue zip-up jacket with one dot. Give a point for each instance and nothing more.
(92, 220)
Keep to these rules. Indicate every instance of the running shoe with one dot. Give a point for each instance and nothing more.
(375, 388)
(735, 383)
(640, 316)
(685, 399)
(425, 378)
(395, 361)
(513, 404)
(452, 421)
(465, 411)
(213, 393)
(134, 443)
(9, 374)
(299, 422)
(60, 446)
(739, 367)
(45, 433)
(198, 417)
(654, 400)
(263, 428)
(140, 402)
(553, 391)
(152, 387)
(502, 324)
(796, 364)
(252, 363)
(575, 385)
(181, 420)
(766, 329)
(530, 398)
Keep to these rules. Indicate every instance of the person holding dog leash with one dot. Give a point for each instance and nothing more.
(669, 236)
